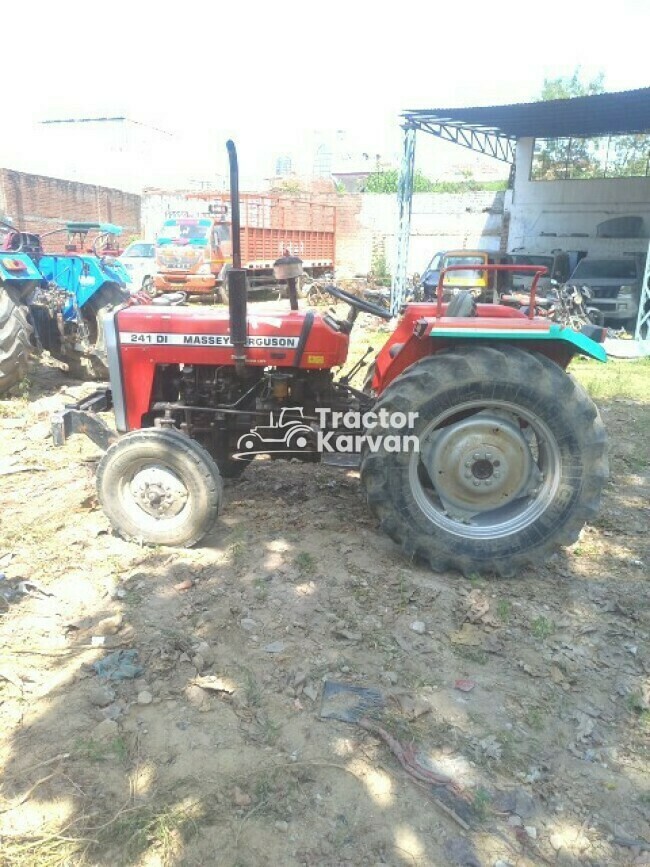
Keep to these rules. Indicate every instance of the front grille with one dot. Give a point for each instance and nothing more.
(605, 291)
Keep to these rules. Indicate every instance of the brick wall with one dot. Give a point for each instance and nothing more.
(40, 204)
(366, 226)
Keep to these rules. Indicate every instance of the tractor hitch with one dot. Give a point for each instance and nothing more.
(81, 417)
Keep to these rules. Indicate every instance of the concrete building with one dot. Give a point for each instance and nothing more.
(581, 177)
(594, 214)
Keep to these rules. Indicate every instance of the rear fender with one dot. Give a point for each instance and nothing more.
(430, 336)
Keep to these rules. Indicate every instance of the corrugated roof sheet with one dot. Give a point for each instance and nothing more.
(601, 114)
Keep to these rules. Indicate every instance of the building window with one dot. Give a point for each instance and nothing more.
(614, 156)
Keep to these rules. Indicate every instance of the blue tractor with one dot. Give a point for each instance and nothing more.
(57, 301)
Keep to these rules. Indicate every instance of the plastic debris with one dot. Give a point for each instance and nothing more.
(120, 665)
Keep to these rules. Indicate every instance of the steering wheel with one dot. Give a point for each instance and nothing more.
(359, 303)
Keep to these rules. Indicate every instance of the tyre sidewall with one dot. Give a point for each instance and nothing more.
(120, 464)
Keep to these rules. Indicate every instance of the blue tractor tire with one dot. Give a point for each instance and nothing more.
(15, 341)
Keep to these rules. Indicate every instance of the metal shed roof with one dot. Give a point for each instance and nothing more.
(494, 128)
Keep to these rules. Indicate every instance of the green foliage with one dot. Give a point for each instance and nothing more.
(388, 181)
(568, 87)
(542, 628)
(481, 803)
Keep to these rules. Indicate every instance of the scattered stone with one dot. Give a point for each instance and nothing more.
(145, 697)
(517, 802)
(299, 678)
(464, 685)
(113, 711)
(515, 821)
(109, 625)
(411, 706)
(182, 586)
(275, 647)
(501, 863)
(106, 730)
(248, 624)
(196, 696)
(391, 677)
(419, 626)
(347, 634)
(198, 662)
(311, 691)
(556, 841)
(100, 696)
(282, 826)
(531, 831)
(241, 798)
(206, 653)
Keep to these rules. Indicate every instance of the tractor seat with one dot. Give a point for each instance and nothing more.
(461, 305)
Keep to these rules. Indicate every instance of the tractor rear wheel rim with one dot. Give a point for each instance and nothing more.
(485, 470)
(155, 490)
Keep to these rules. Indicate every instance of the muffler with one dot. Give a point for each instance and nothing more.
(237, 277)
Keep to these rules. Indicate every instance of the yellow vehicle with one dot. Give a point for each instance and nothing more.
(485, 286)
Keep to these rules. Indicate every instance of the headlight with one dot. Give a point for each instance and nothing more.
(626, 292)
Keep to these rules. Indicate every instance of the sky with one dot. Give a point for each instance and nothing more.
(269, 73)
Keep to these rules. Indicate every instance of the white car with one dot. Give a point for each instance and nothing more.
(139, 260)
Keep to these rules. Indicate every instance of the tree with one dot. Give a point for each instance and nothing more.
(568, 87)
(570, 157)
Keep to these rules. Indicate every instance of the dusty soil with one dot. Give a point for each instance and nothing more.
(548, 749)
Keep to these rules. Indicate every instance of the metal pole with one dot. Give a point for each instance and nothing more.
(404, 205)
(642, 331)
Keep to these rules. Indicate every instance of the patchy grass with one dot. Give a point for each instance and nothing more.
(542, 628)
(617, 379)
(304, 562)
(101, 751)
(481, 803)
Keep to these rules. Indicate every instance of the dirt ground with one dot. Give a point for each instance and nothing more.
(532, 694)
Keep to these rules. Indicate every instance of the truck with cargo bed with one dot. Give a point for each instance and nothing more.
(194, 248)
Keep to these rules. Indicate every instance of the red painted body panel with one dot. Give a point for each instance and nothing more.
(150, 335)
(422, 318)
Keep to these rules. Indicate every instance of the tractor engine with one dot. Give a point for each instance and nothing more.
(215, 406)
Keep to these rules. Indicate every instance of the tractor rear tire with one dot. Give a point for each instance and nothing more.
(15, 342)
(447, 504)
(159, 487)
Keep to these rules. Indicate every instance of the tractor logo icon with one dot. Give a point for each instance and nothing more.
(289, 433)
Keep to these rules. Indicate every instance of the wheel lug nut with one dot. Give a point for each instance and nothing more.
(496, 474)
(477, 456)
(468, 463)
(476, 483)
(468, 475)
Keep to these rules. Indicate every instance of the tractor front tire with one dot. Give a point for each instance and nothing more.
(15, 342)
(159, 487)
(511, 463)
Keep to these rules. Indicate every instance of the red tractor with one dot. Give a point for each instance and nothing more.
(476, 450)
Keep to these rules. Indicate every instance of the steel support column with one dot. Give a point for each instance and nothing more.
(642, 332)
(404, 205)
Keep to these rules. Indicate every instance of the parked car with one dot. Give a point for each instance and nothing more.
(484, 285)
(615, 286)
(557, 263)
(139, 260)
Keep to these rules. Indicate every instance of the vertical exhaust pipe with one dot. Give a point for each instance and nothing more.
(237, 278)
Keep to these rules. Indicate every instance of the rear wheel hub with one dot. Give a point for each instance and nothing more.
(479, 463)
